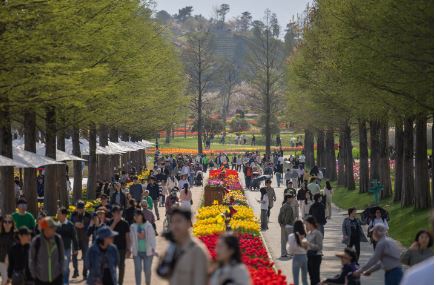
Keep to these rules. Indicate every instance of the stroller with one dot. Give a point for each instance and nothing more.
(198, 178)
(256, 180)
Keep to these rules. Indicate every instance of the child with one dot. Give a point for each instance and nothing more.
(348, 260)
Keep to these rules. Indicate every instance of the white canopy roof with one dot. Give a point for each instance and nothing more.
(6, 161)
(31, 159)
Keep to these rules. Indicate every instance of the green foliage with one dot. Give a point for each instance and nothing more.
(239, 124)
(211, 126)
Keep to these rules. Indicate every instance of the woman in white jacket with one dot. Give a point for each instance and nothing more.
(297, 247)
(143, 246)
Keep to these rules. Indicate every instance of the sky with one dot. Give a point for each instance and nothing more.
(283, 8)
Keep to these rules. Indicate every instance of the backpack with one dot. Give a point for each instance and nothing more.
(38, 245)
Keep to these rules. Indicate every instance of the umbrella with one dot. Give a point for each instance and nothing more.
(369, 213)
(6, 161)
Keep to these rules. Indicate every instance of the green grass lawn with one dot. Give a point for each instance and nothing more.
(404, 222)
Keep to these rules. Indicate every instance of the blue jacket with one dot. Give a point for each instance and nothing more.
(93, 263)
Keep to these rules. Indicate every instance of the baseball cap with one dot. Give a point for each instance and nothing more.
(80, 204)
(105, 232)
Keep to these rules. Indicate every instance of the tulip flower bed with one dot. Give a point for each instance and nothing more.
(234, 214)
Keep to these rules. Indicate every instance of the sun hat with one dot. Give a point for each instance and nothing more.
(105, 232)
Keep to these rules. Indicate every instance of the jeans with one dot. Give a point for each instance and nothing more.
(84, 248)
(299, 262)
(146, 261)
(156, 207)
(121, 266)
(356, 243)
(393, 277)
(314, 266)
(278, 178)
(67, 259)
(247, 182)
(264, 219)
(321, 229)
(285, 232)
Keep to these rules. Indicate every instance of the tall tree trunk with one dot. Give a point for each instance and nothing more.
(77, 165)
(62, 169)
(113, 134)
(363, 157)
(92, 162)
(200, 111)
(385, 170)
(320, 149)
(408, 181)
(51, 186)
(168, 136)
(341, 159)
(422, 182)
(115, 158)
(330, 155)
(29, 185)
(309, 148)
(6, 173)
(399, 145)
(103, 165)
(374, 130)
(348, 161)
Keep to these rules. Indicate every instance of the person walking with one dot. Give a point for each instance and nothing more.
(102, 258)
(121, 240)
(185, 197)
(420, 250)
(301, 199)
(68, 234)
(230, 269)
(328, 192)
(314, 250)
(297, 248)
(186, 256)
(271, 195)
(386, 256)
(286, 221)
(317, 210)
(313, 186)
(18, 271)
(377, 219)
(143, 247)
(264, 201)
(278, 169)
(118, 197)
(153, 188)
(135, 190)
(6, 241)
(22, 217)
(81, 220)
(352, 233)
(46, 261)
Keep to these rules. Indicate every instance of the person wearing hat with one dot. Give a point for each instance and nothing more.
(18, 259)
(81, 220)
(22, 217)
(386, 255)
(136, 190)
(121, 240)
(349, 265)
(153, 189)
(46, 261)
(286, 220)
(98, 220)
(68, 234)
(102, 258)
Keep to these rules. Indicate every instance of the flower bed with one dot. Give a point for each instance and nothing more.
(234, 214)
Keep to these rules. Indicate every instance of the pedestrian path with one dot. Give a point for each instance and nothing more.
(330, 265)
(161, 246)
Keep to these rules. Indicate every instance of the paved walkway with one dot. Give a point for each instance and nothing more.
(330, 265)
(129, 277)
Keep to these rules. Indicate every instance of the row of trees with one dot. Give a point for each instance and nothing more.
(81, 69)
(368, 65)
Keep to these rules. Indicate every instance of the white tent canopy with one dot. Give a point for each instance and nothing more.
(6, 161)
(31, 159)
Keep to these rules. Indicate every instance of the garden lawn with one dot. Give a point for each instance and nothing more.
(404, 222)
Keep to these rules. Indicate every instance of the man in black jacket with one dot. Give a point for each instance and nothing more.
(118, 197)
(153, 189)
(317, 210)
(81, 220)
(68, 234)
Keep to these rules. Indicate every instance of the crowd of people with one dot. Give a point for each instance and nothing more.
(41, 250)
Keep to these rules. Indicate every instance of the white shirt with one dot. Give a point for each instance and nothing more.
(292, 246)
(302, 158)
(422, 273)
(185, 170)
(264, 203)
(182, 183)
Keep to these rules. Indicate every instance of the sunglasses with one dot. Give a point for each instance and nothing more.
(7, 222)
